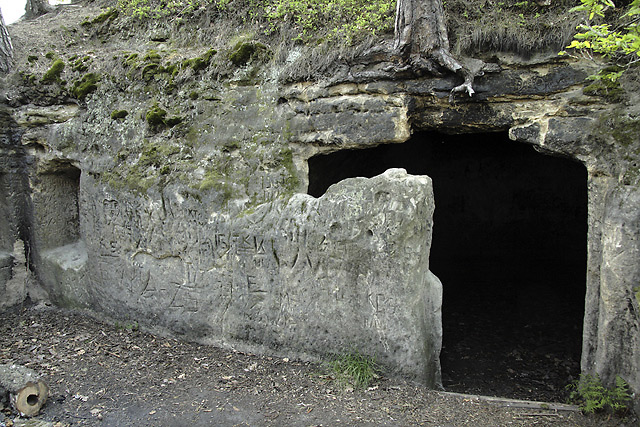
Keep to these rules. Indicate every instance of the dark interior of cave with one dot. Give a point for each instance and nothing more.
(510, 247)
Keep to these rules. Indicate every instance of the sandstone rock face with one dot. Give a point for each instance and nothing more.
(319, 276)
(203, 229)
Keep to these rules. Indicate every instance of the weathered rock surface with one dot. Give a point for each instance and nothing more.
(201, 227)
(318, 276)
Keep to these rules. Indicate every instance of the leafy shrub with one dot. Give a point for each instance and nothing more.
(619, 45)
(163, 8)
(593, 396)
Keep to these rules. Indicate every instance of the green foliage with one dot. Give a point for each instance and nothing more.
(636, 290)
(54, 73)
(331, 19)
(593, 397)
(619, 45)
(156, 9)
(86, 85)
(354, 369)
(129, 326)
(605, 84)
(343, 18)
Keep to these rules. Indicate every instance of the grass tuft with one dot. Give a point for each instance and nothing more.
(354, 370)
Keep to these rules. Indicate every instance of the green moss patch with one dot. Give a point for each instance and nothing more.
(199, 63)
(81, 65)
(109, 14)
(624, 129)
(152, 56)
(54, 73)
(149, 70)
(157, 118)
(119, 114)
(286, 160)
(86, 85)
(243, 52)
(215, 181)
(130, 61)
(154, 162)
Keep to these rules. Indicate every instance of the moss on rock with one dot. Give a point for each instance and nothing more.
(119, 114)
(199, 63)
(86, 85)
(109, 14)
(155, 116)
(243, 52)
(54, 73)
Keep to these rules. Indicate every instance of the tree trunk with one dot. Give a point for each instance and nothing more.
(36, 8)
(6, 49)
(421, 36)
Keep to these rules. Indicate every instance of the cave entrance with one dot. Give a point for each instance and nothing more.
(510, 246)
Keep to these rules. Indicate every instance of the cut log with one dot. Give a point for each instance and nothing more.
(26, 391)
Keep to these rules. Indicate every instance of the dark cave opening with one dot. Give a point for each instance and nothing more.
(510, 247)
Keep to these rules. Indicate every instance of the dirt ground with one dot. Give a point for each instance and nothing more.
(104, 374)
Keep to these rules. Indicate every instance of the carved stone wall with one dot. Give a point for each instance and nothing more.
(348, 270)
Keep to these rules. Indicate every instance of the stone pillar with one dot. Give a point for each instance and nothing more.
(353, 273)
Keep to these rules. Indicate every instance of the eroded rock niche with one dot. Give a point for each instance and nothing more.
(509, 244)
(59, 251)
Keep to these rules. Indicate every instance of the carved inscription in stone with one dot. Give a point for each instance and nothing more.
(307, 275)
